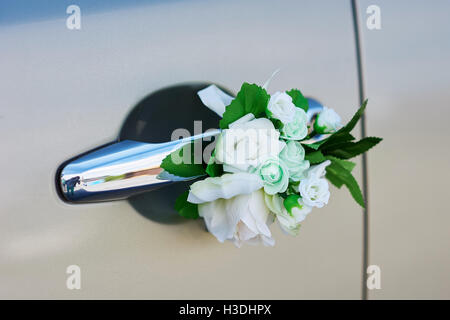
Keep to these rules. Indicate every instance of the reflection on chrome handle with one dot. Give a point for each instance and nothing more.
(120, 170)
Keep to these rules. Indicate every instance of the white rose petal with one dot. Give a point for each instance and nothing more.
(239, 122)
(247, 144)
(314, 189)
(293, 156)
(274, 203)
(297, 129)
(225, 187)
(281, 107)
(328, 121)
(241, 219)
(301, 212)
(319, 170)
(288, 222)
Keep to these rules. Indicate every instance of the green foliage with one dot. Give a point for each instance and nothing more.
(338, 147)
(250, 99)
(334, 179)
(181, 163)
(340, 144)
(186, 209)
(315, 157)
(352, 123)
(349, 150)
(291, 202)
(335, 139)
(347, 165)
(298, 99)
(331, 140)
(214, 169)
(277, 123)
(338, 175)
(343, 134)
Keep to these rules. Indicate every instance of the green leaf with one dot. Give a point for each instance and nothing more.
(338, 175)
(293, 185)
(349, 150)
(186, 209)
(181, 163)
(291, 202)
(347, 165)
(315, 145)
(298, 99)
(339, 141)
(315, 157)
(352, 123)
(334, 138)
(250, 99)
(277, 123)
(334, 179)
(214, 169)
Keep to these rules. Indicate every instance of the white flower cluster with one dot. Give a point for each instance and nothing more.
(266, 176)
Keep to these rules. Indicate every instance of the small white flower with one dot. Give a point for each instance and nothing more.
(296, 129)
(241, 219)
(288, 218)
(328, 121)
(314, 189)
(247, 143)
(281, 107)
(319, 170)
(293, 155)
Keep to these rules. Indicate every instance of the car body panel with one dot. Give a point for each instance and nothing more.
(65, 92)
(407, 72)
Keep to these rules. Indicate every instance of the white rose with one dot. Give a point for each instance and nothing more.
(281, 107)
(296, 129)
(274, 174)
(224, 187)
(289, 212)
(248, 142)
(328, 121)
(293, 155)
(241, 219)
(314, 189)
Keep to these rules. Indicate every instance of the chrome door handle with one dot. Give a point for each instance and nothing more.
(126, 168)
(120, 170)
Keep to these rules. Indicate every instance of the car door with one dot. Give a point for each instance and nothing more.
(66, 91)
(407, 77)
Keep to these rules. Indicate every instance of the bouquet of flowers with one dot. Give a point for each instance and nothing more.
(272, 161)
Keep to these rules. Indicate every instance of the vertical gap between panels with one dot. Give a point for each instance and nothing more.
(362, 96)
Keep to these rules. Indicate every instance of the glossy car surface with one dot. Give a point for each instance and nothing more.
(65, 92)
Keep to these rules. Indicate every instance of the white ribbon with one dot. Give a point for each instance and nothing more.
(266, 84)
(215, 99)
